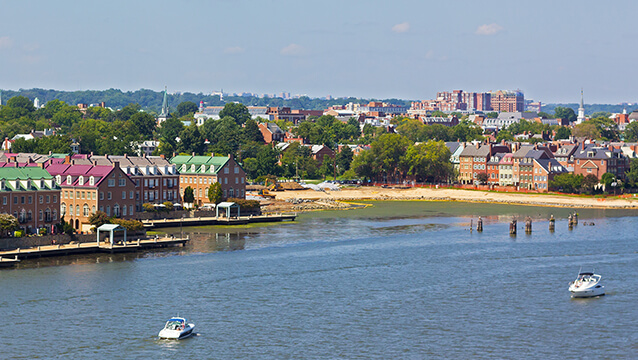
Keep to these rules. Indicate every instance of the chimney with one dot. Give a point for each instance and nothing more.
(67, 159)
(41, 165)
(478, 145)
(50, 153)
(163, 156)
(583, 146)
(116, 164)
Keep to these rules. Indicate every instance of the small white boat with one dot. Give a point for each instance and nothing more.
(587, 284)
(176, 328)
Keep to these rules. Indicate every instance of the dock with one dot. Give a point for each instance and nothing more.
(224, 221)
(8, 262)
(90, 247)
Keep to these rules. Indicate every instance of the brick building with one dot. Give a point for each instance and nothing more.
(508, 101)
(200, 172)
(31, 195)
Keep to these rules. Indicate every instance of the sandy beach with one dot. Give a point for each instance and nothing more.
(378, 193)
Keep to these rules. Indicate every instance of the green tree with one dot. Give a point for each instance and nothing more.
(491, 115)
(568, 183)
(587, 130)
(631, 176)
(344, 159)
(482, 178)
(438, 113)
(215, 193)
(8, 223)
(186, 108)
(327, 167)
(562, 132)
(429, 161)
(587, 186)
(237, 111)
(21, 102)
(631, 132)
(251, 132)
(144, 123)
(504, 135)
(607, 179)
(128, 111)
(565, 113)
(99, 218)
(189, 196)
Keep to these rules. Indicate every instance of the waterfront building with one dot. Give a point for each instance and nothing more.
(86, 189)
(597, 159)
(31, 195)
(473, 160)
(505, 170)
(544, 171)
(200, 172)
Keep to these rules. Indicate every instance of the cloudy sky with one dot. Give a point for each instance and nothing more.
(380, 49)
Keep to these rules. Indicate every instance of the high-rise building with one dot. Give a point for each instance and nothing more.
(507, 101)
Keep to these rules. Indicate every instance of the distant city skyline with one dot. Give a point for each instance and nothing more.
(365, 49)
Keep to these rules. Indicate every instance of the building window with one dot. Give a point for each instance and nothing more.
(55, 214)
(55, 199)
(77, 210)
(30, 199)
(111, 182)
(131, 195)
(81, 180)
(69, 180)
(122, 182)
(109, 196)
(116, 210)
(86, 210)
(101, 195)
(108, 210)
(48, 199)
(4, 200)
(40, 215)
(92, 181)
(41, 199)
(124, 210)
(93, 209)
(123, 195)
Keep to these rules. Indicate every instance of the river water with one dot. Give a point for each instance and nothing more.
(400, 280)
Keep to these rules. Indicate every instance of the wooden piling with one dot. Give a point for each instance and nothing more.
(528, 225)
(575, 218)
(513, 227)
(552, 224)
(570, 222)
(479, 225)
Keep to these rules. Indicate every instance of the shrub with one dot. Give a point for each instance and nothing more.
(130, 225)
(246, 204)
(169, 205)
(148, 207)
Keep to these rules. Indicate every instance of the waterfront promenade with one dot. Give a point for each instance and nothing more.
(224, 221)
(92, 247)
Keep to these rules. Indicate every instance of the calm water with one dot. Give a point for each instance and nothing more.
(402, 280)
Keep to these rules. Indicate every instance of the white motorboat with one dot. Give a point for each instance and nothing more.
(176, 328)
(587, 284)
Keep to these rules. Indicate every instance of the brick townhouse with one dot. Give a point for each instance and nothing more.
(200, 172)
(86, 189)
(31, 196)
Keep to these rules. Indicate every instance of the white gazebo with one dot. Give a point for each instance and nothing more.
(227, 206)
(110, 228)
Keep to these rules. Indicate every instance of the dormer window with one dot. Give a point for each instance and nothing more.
(193, 168)
(58, 179)
(92, 181)
(183, 167)
(69, 180)
(81, 180)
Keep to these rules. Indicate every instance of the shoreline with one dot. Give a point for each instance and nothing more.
(461, 195)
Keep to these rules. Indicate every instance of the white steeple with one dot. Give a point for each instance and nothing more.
(581, 110)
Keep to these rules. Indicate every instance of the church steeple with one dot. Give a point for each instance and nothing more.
(581, 109)
(164, 113)
(165, 103)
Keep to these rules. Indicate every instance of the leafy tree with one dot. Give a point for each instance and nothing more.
(186, 108)
(65, 227)
(189, 196)
(438, 113)
(607, 179)
(482, 178)
(491, 115)
(588, 184)
(568, 183)
(144, 123)
(562, 132)
(631, 176)
(344, 159)
(168, 205)
(252, 132)
(238, 112)
(631, 132)
(429, 161)
(544, 115)
(565, 113)
(605, 114)
(170, 129)
(504, 135)
(191, 141)
(215, 193)
(8, 223)
(327, 167)
(99, 218)
(21, 102)
(587, 130)
(128, 111)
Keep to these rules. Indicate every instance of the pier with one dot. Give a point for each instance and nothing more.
(89, 247)
(224, 221)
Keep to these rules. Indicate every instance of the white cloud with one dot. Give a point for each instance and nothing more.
(401, 28)
(234, 50)
(429, 55)
(488, 29)
(5, 42)
(292, 50)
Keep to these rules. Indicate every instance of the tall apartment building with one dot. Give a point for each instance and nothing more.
(449, 101)
(507, 101)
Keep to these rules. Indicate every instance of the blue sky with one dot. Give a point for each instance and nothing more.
(380, 49)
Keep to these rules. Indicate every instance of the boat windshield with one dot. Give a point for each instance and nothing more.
(174, 324)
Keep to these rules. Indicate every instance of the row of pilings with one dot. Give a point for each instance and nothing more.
(572, 221)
